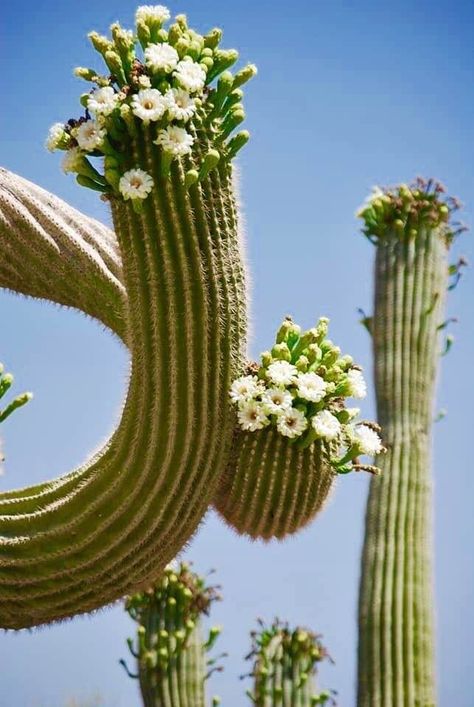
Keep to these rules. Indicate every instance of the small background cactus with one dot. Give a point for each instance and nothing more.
(172, 663)
(284, 667)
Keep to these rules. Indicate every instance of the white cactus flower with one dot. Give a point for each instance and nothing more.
(282, 372)
(291, 423)
(161, 57)
(89, 135)
(252, 416)
(190, 75)
(311, 387)
(135, 184)
(326, 425)
(176, 141)
(357, 384)
(149, 105)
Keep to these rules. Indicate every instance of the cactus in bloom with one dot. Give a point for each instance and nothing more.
(412, 229)
(285, 666)
(158, 124)
(156, 141)
(170, 651)
(295, 434)
(6, 381)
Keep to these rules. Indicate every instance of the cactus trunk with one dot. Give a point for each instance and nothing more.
(396, 627)
(183, 275)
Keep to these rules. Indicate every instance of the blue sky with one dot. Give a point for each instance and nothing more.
(348, 95)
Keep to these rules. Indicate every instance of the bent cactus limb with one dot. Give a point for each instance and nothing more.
(412, 230)
(89, 537)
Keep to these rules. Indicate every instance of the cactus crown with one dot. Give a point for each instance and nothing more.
(180, 588)
(167, 615)
(171, 83)
(300, 388)
(404, 209)
(285, 660)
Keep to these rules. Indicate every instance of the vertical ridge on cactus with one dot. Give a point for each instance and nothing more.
(170, 650)
(285, 667)
(88, 538)
(412, 228)
(41, 234)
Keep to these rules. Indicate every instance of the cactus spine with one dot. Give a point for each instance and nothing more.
(170, 651)
(285, 666)
(412, 231)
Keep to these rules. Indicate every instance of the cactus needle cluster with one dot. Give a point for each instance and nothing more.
(170, 650)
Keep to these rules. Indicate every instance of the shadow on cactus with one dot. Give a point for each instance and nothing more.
(295, 433)
(6, 382)
(170, 650)
(284, 669)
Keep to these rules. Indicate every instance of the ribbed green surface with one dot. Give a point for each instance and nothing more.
(271, 488)
(285, 668)
(52, 251)
(396, 638)
(106, 529)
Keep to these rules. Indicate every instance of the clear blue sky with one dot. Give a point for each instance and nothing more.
(348, 94)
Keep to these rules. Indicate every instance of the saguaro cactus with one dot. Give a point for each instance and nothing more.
(412, 229)
(285, 666)
(170, 650)
(164, 134)
(171, 283)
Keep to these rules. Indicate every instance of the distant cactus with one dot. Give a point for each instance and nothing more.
(285, 666)
(6, 381)
(412, 229)
(170, 651)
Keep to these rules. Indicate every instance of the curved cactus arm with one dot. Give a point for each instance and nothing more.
(41, 234)
(295, 434)
(109, 527)
(171, 654)
(412, 230)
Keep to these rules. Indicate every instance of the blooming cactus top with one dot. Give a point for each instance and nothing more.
(300, 389)
(170, 84)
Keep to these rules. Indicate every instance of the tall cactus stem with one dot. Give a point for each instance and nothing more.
(412, 230)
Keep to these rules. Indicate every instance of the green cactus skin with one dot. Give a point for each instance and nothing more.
(411, 229)
(271, 488)
(170, 651)
(104, 530)
(41, 234)
(285, 666)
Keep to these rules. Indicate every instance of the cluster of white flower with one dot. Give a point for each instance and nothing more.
(306, 400)
(156, 76)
